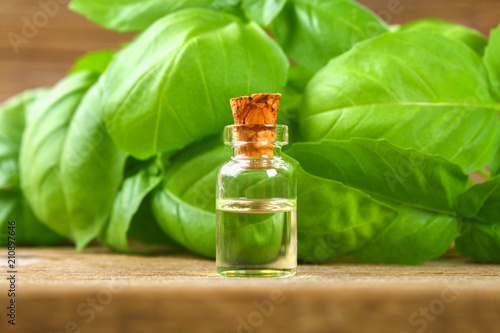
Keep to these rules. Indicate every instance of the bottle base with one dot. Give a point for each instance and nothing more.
(255, 272)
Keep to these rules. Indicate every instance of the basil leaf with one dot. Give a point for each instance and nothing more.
(472, 38)
(41, 146)
(7, 205)
(479, 236)
(414, 237)
(494, 164)
(145, 229)
(263, 11)
(334, 220)
(291, 99)
(29, 231)
(314, 31)
(385, 171)
(90, 169)
(12, 122)
(127, 203)
(78, 168)
(184, 204)
(171, 85)
(298, 78)
(137, 15)
(492, 60)
(352, 97)
(96, 62)
(399, 177)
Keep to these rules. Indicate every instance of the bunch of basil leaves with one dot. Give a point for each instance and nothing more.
(388, 124)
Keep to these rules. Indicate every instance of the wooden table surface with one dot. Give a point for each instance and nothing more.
(60, 290)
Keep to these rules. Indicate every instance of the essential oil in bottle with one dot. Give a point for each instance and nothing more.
(256, 194)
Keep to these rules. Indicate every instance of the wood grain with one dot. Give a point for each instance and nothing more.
(179, 292)
(49, 54)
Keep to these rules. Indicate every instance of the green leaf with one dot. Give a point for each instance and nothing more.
(334, 220)
(90, 169)
(473, 38)
(263, 11)
(71, 169)
(387, 172)
(492, 60)
(414, 237)
(403, 178)
(127, 202)
(298, 77)
(171, 86)
(314, 31)
(42, 146)
(8, 203)
(291, 99)
(494, 164)
(96, 62)
(145, 229)
(184, 204)
(29, 231)
(137, 15)
(479, 236)
(416, 108)
(12, 122)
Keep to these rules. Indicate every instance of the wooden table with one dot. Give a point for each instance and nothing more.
(60, 290)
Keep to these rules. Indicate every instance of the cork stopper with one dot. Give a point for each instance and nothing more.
(255, 112)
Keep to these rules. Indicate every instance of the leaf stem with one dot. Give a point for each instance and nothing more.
(483, 173)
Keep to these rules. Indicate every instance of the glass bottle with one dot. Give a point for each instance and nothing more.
(256, 207)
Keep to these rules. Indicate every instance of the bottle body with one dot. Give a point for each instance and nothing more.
(256, 217)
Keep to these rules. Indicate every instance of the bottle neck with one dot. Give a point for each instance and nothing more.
(250, 151)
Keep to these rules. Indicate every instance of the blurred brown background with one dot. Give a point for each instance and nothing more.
(51, 51)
